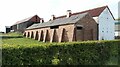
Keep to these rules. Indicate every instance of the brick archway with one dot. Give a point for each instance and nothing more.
(64, 36)
(36, 35)
(41, 35)
(55, 36)
(28, 34)
(47, 36)
(32, 34)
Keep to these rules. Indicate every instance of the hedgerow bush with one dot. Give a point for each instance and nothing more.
(71, 53)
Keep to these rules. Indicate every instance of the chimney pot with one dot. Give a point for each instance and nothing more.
(52, 17)
(41, 20)
(69, 12)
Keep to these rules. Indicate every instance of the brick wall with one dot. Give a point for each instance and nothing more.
(89, 29)
(63, 33)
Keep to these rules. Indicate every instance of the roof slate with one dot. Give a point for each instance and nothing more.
(60, 21)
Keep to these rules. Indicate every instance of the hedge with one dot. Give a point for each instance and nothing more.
(72, 53)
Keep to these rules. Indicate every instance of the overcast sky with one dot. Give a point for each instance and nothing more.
(12, 11)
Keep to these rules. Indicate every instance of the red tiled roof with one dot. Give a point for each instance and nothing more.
(93, 12)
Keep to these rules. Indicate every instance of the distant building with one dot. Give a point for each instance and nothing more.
(21, 26)
(8, 28)
(117, 29)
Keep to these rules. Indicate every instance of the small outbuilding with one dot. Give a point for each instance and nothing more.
(8, 28)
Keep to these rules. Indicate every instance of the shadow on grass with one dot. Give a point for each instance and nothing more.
(8, 37)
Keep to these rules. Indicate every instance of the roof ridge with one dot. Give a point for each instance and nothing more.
(28, 18)
(97, 7)
(82, 11)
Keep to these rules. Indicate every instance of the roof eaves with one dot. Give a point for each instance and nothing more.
(110, 12)
(47, 26)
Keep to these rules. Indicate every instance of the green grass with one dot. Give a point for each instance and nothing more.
(17, 39)
(28, 42)
(20, 42)
(12, 34)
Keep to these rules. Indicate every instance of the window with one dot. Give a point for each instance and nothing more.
(54, 27)
(79, 28)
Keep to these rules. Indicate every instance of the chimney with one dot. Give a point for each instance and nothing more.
(41, 20)
(69, 12)
(52, 17)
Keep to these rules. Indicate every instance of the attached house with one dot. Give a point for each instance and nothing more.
(105, 20)
(78, 27)
(21, 26)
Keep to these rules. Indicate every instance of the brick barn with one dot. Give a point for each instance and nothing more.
(20, 26)
(79, 27)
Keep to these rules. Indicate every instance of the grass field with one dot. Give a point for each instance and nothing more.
(16, 40)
